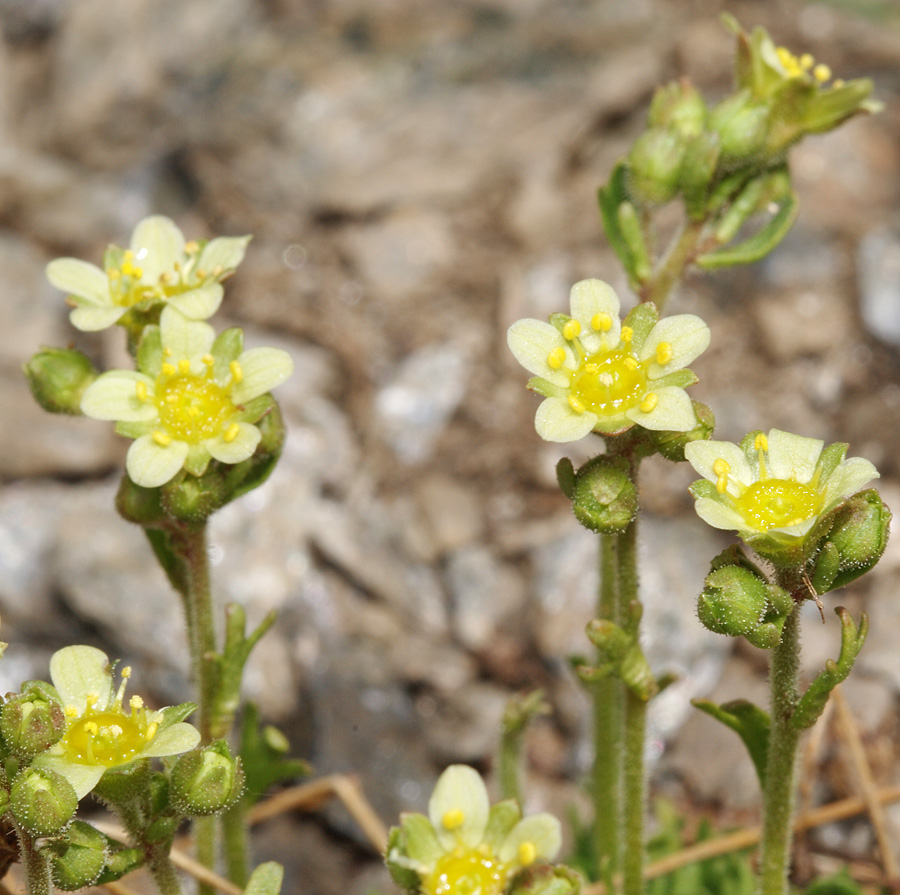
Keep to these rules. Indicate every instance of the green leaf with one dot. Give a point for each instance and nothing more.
(265, 880)
(749, 722)
(757, 246)
(263, 758)
(610, 198)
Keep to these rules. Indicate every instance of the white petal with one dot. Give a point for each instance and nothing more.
(224, 252)
(718, 515)
(848, 478)
(199, 303)
(113, 396)
(157, 244)
(792, 457)
(82, 777)
(459, 789)
(686, 334)
(150, 464)
(543, 831)
(237, 450)
(261, 370)
(93, 318)
(180, 737)
(80, 278)
(531, 341)
(186, 338)
(591, 297)
(673, 411)
(79, 671)
(703, 454)
(556, 421)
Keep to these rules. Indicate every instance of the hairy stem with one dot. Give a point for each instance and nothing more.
(671, 269)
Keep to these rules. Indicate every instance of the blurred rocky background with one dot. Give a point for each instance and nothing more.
(418, 174)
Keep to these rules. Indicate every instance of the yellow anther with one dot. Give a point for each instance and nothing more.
(71, 711)
(163, 439)
(152, 727)
(453, 819)
(192, 247)
(761, 443)
(168, 369)
(218, 270)
(128, 255)
(208, 359)
(237, 374)
(721, 468)
(575, 404)
(184, 366)
(126, 672)
(127, 268)
(556, 358)
(201, 273)
(136, 702)
(167, 352)
(627, 334)
(92, 699)
(165, 278)
(571, 329)
(605, 379)
(631, 362)
(822, 73)
(601, 322)
(138, 272)
(663, 353)
(232, 432)
(527, 853)
(807, 61)
(115, 730)
(141, 389)
(92, 727)
(648, 405)
(838, 82)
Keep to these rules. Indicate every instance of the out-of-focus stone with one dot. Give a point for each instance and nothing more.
(878, 274)
(452, 512)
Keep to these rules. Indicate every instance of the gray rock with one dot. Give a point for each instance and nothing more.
(878, 275)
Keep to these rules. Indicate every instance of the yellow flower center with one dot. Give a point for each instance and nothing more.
(466, 872)
(192, 407)
(778, 503)
(608, 383)
(108, 737)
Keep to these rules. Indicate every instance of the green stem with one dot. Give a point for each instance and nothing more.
(37, 867)
(672, 267)
(159, 863)
(164, 874)
(608, 720)
(778, 798)
(205, 847)
(234, 832)
(635, 794)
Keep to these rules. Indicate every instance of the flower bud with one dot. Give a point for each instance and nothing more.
(42, 801)
(139, 505)
(653, 165)
(81, 859)
(605, 498)
(678, 107)
(671, 444)
(194, 499)
(32, 721)
(734, 601)
(742, 126)
(206, 780)
(58, 378)
(545, 879)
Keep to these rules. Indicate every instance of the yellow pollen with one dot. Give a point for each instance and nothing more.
(126, 672)
(571, 329)
(115, 730)
(167, 352)
(822, 73)
(663, 353)
(556, 358)
(527, 854)
(184, 366)
(141, 389)
(91, 727)
(601, 322)
(138, 272)
(453, 819)
(237, 374)
(232, 432)
(575, 404)
(71, 711)
(208, 359)
(761, 443)
(721, 468)
(807, 61)
(165, 278)
(631, 363)
(192, 247)
(605, 379)
(136, 702)
(169, 369)
(201, 273)
(152, 727)
(648, 405)
(627, 334)
(92, 699)
(163, 439)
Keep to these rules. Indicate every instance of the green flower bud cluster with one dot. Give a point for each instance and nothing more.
(738, 600)
(604, 497)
